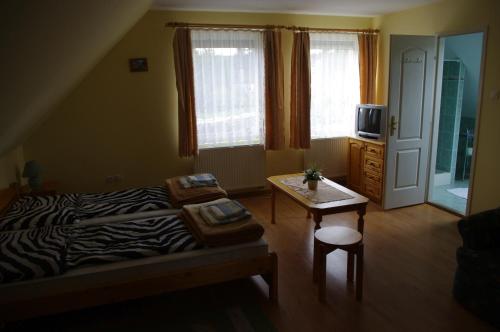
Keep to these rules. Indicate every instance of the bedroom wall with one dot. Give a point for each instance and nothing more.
(47, 47)
(117, 122)
(459, 16)
(11, 163)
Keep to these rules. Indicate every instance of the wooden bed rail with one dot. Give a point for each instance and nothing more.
(266, 266)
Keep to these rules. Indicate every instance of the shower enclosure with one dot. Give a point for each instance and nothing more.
(455, 120)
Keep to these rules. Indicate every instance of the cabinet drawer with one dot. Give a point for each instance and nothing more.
(374, 151)
(373, 164)
(373, 176)
(373, 190)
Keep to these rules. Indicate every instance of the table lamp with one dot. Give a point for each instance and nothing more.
(32, 171)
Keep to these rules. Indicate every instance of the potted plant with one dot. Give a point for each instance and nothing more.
(312, 175)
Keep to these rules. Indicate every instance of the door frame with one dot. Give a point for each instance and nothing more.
(436, 109)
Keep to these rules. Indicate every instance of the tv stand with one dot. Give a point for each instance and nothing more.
(366, 167)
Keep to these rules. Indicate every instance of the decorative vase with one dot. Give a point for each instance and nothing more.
(312, 184)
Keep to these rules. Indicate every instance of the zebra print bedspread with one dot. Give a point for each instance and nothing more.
(123, 202)
(100, 244)
(39, 211)
(33, 253)
(67, 209)
(49, 251)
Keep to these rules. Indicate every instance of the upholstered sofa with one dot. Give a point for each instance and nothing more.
(477, 279)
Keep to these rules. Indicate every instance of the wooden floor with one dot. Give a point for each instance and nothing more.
(409, 267)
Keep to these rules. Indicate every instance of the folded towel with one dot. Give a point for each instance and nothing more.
(180, 196)
(209, 218)
(226, 210)
(198, 180)
(223, 235)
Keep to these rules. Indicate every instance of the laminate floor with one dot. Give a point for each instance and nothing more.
(409, 267)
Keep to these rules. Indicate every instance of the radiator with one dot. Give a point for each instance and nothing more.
(236, 168)
(329, 154)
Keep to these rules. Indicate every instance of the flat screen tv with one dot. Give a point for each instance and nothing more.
(370, 121)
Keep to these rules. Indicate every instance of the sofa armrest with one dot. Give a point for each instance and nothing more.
(481, 231)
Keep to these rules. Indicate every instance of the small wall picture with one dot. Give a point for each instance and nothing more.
(138, 64)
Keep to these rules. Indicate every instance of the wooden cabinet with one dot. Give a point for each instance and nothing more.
(366, 168)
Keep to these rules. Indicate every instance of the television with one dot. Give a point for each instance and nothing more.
(370, 121)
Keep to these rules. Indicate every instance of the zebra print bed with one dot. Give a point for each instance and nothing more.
(123, 202)
(67, 209)
(33, 253)
(49, 251)
(101, 244)
(39, 211)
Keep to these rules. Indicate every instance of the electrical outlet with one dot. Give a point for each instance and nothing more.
(118, 178)
(109, 179)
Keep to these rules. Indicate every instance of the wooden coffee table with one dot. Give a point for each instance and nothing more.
(356, 203)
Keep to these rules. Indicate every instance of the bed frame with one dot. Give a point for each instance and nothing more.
(138, 286)
(122, 290)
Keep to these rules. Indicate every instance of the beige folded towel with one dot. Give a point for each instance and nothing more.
(220, 235)
(180, 196)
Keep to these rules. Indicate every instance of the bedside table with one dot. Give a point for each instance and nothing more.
(48, 188)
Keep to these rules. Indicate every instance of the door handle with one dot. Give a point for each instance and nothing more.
(393, 124)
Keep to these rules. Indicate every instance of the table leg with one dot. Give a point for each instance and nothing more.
(359, 273)
(273, 205)
(321, 274)
(317, 220)
(361, 221)
(350, 266)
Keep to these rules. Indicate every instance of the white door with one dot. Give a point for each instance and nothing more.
(411, 80)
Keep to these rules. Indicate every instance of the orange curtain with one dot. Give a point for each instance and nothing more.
(274, 111)
(367, 66)
(183, 59)
(300, 97)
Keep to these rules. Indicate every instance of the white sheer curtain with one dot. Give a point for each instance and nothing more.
(334, 83)
(229, 87)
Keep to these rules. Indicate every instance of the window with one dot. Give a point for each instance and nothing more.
(229, 87)
(334, 84)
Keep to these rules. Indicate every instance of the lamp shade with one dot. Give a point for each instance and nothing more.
(31, 169)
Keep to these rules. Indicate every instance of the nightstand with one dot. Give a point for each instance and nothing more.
(48, 188)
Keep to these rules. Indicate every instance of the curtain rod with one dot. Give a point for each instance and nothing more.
(264, 27)
(223, 26)
(358, 31)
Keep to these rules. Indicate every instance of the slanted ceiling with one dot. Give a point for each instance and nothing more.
(46, 48)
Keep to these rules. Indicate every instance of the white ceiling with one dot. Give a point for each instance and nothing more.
(318, 7)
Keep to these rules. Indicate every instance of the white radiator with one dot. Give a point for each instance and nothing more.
(236, 168)
(330, 154)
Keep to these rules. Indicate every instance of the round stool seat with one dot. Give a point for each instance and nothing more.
(338, 236)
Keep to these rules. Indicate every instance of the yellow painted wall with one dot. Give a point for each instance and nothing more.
(47, 48)
(460, 16)
(10, 164)
(117, 122)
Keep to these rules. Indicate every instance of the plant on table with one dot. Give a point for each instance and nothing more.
(312, 175)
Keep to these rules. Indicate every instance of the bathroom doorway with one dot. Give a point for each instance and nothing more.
(455, 120)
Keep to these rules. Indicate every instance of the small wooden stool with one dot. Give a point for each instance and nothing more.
(328, 239)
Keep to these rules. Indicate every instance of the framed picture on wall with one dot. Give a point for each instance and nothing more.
(138, 64)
